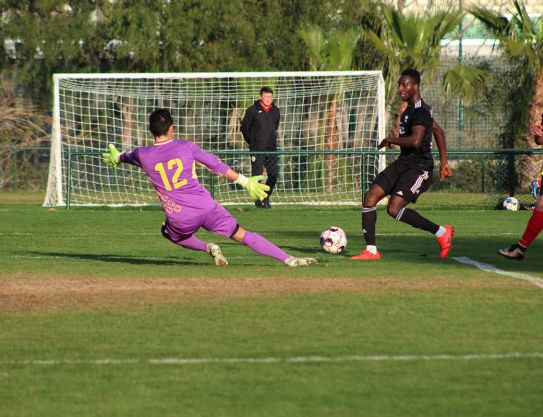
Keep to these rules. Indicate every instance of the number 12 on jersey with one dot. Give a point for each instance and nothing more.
(171, 164)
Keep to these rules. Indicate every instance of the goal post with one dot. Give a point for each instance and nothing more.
(328, 121)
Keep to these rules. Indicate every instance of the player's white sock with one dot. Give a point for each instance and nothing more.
(440, 232)
(372, 249)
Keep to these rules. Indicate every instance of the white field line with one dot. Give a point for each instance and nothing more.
(491, 268)
(287, 360)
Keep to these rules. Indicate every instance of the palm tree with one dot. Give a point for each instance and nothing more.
(331, 52)
(414, 41)
(520, 38)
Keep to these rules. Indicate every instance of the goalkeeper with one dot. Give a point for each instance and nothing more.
(188, 206)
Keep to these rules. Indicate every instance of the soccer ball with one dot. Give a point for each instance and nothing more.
(511, 204)
(333, 240)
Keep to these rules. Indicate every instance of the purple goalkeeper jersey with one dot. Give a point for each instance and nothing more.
(171, 167)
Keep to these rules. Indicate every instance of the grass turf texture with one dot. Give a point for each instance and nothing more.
(103, 284)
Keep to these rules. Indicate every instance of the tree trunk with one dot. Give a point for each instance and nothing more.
(234, 138)
(331, 143)
(127, 110)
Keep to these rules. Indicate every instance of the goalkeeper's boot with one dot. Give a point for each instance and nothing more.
(445, 241)
(366, 255)
(266, 203)
(513, 252)
(294, 261)
(216, 254)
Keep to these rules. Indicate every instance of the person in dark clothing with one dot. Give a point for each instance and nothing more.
(259, 129)
(411, 174)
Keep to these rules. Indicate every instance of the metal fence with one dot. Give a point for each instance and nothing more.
(496, 172)
(24, 168)
(499, 172)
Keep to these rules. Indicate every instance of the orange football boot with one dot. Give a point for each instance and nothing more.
(445, 241)
(366, 255)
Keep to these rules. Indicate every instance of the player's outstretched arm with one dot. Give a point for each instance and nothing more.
(439, 136)
(251, 184)
(112, 157)
(256, 189)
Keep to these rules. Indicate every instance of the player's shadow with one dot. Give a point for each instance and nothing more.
(133, 260)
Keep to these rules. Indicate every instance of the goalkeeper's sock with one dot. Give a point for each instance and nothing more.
(193, 243)
(534, 227)
(263, 246)
(369, 218)
(414, 219)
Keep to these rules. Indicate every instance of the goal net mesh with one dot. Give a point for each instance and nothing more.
(327, 121)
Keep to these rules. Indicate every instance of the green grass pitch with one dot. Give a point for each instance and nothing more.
(99, 315)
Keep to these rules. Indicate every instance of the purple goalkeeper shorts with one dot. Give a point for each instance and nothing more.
(217, 220)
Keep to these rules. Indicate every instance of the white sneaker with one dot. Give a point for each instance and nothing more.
(216, 254)
(293, 261)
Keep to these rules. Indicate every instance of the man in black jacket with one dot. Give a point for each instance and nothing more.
(259, 129)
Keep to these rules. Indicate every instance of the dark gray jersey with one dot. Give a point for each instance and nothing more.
(417, 114)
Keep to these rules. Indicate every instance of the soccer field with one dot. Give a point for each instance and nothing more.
(100, 315)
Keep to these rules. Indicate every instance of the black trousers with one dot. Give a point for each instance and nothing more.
(271, 163)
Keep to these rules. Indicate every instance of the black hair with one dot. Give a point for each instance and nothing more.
(413, 74)
(266, 90)
(160, 121)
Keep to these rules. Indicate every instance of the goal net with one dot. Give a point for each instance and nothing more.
(331, 123)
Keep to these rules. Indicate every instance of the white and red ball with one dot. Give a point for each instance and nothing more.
(333, 240)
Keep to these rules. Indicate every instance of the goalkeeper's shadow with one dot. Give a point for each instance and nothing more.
(132, 260)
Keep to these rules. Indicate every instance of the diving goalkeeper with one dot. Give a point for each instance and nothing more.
(188, 206)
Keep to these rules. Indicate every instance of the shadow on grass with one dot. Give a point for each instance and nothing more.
(176, 261)
(133, 260)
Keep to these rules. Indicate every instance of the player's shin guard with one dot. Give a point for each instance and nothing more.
(534, 227)
(263, 246)
(193, 243)
(369, 218)
(414, 219)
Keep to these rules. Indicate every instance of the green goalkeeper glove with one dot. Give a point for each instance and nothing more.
(256, 190)
(112, 157)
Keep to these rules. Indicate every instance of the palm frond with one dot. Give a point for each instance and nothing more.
(497, 25)
(465, 81)
(340, 49)
(313, 38)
